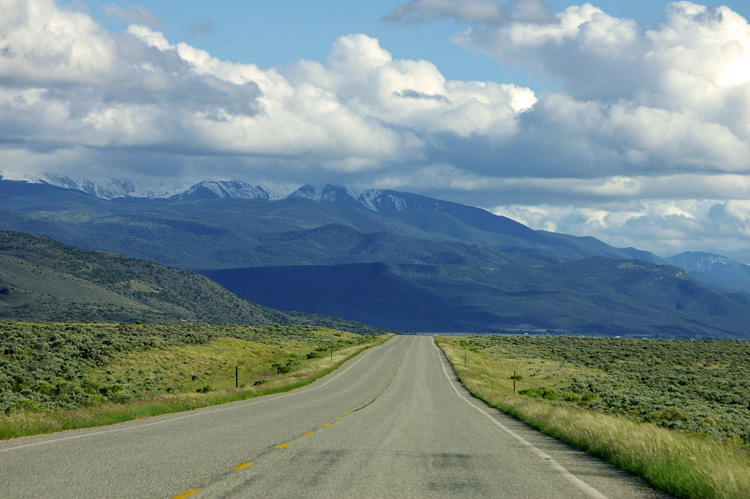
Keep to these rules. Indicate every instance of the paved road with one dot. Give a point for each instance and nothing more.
(392, 422)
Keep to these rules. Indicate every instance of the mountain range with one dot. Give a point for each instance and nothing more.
(392, 259)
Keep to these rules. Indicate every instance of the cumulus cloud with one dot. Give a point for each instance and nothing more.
(80, 86)
(646, 120)
(666, 227)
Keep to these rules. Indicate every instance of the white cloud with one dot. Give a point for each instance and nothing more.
(666, 227)
(646, 121)
(39, 42)
(361, 111)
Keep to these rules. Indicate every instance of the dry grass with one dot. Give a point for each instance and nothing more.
(685, 465)
(216, 361)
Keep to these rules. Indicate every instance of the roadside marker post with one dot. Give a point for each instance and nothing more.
(514, 377)
(236, 376)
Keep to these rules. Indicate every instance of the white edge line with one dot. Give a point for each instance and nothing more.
(192, 413)
(586, 488)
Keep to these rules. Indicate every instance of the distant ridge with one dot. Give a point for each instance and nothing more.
(171, 233)
(714, 270)
(110, 189)
(595, 296)
(223, 190)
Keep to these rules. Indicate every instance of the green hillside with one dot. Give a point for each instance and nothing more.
(41, 279)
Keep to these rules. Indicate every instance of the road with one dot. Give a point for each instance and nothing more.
(392, 422)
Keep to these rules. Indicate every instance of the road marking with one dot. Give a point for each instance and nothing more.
(308, 433)
(337, 419)
(347, 413)
(282, 446)
(242, 466)
(586, 488)
(186, 494)
(326, 425)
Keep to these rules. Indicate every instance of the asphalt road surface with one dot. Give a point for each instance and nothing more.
(392, 422)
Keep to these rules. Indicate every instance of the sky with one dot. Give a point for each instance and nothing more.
(625, 121)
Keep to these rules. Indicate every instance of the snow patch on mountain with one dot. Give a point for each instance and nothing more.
(106, 188)
(376, 200)
(232, 189)
(702, 262)
(118, 188)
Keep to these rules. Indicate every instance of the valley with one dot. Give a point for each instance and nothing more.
(382, 258)
(118, 309)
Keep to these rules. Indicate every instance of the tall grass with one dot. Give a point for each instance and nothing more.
(25, 423)
(685, 465)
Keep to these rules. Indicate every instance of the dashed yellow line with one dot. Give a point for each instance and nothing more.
(242, 466)
(187, 493)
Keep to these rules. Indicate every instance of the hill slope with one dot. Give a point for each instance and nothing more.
(41, 279)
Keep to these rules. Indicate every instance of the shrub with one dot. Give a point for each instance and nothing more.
(540, 392)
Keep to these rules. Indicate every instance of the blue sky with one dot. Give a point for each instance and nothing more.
(272, 33)
(626, 121)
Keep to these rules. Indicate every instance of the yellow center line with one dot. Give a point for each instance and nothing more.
(282, 446)
(347, 413)
(326, 425)
(337, 419)
(242, 466)
(187, 493)
(308, 433)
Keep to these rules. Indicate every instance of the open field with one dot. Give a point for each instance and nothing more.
(674, 413)
(57, 376)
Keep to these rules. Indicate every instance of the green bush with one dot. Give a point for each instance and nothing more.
(698, 386)
(541, 392)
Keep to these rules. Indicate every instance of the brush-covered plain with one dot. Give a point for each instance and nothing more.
(65, 375)
(675, 413)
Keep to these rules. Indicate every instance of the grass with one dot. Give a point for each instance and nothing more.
(175, 378)
(683, 464)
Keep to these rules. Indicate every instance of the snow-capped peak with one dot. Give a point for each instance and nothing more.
(372, 199)
(117, 188)
(107, 188)
(232, 189)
